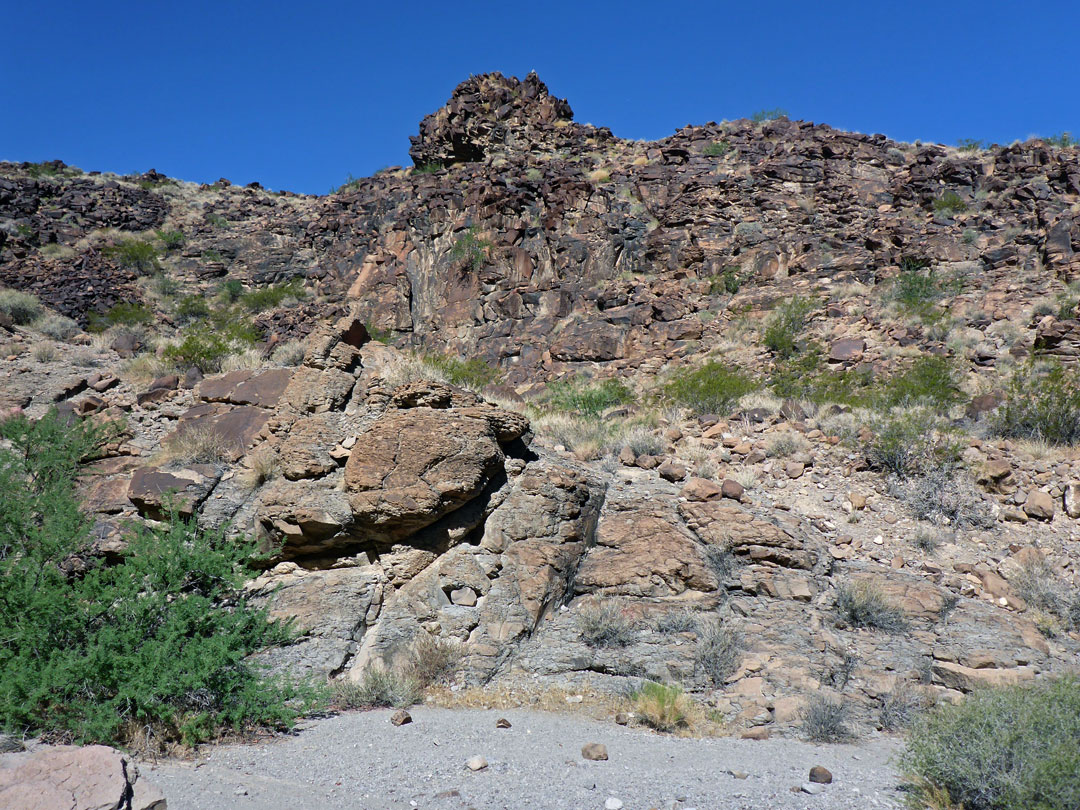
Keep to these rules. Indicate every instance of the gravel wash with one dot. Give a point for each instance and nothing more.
(361, 761)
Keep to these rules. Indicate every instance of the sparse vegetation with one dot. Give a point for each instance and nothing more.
(170, 240)
(712, 388)
(474, 373)
(663, 707)
(125, 313)
(970, 145)
(950, 203)
(786, 326)
(377, 688)
(471, 248)
(606, 625)
(901, 706)
(138, 254)
(911, 443)
(1007, 748)
(263, 298)
(196, 445)
(44, 352)
(768, 115)
(56, 326)
(719, 652)
(588, 400)
(1041, 404)
(863, 604)
(1063, 140)
(23, 308)
(825, 720)
(717, 149)
(217, 220)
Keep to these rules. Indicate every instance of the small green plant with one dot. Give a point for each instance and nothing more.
(124, 313)
(264, 298)
(606, 626)
(22, 307)
(916, 287)
(930, 380)
(713, 388)
(377, 688)
(165, 286)
(171, 240)
(1063, 140)
(138, 254)
(910, 443)
(216, 219)
(589, 401)
(428, 168)
(56, 327)
(212, 256)
(717, 148)
(351, 184)
(471, 248)
(730, 281)
(662, 707)
(474, 373)
(863, 604)
(768, 115)
(950, 203)
(825, 720)
(204, 346)
(970, 145)
(192, 308)
(1042, 404)
(1007, 748)
(786, 326)
(232, 289)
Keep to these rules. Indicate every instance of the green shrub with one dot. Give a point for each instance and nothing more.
(474, 374)
(1063, 140)
(589, 401)
(915, 288)
(717, 148)
(206, 345)
(1008, 748)
(158, 642)
(970, 145)
(825, 720)
(170, 239)
(217, 220)
(56, 327)
(606, 626)
(350, 184)
(1041, 404)
(662, 707)
(768, 115)
(192, 308)
(23, 308)
(713, 388)
(125, 313)
(471, 248)
(786, 326)
(864, 605)
(950, 203)
(428, 168)
(138, 254)
(232, 289)
(910, 443)
(269, 297)
(928, 381)
(729, 281)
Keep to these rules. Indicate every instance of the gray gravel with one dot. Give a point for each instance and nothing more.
(360, 761)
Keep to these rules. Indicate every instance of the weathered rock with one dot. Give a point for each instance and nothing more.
(597, 752)
(821, 775)
(1039, 505)
(400, 718)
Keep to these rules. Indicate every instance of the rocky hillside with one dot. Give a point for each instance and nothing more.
(760, 425)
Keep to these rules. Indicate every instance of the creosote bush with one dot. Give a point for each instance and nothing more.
(159, 643)
(138, 254)
(588, 400)
(786, 326)
(1006, 748)
(713, 388)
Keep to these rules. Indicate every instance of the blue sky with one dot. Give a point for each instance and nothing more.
(297, 96)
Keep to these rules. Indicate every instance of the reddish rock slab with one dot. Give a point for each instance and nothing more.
(262, 389)
(848, 350)
(150, 489)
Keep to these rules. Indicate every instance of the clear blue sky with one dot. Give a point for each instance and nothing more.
(298, 95)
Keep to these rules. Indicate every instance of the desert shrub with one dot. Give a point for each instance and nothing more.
(170, 239)
(970, 145)
(232, 289)
(1063, 140)
(217, 220)
(916, 287)
(124, 313)
(290, 353)
(720, 561)
(1054, 605)
(160, 641)
(719, 652)
(901, 706)
(950, 203)
(943, 495)
(717, 148)
(712, 388)
(643, 440)
(474, 373)
(1007, 748)
(165, 286)
(676, 621)
(863, 604)
(194, 444)
(44, 352)
(929, 380)
(192, 308)
(768, 115)
(730, 281)
(606, 626)
(351, 183)
(588, 400)
(428, 168)
(272, 296)
(786, 444)
(207, 344)
(23, 308)
(431, 659)
(377, 688)
(825, 720)
(1041, 404)
(786, 326)
(804, 376)
(910, 443)
(471, 248)
(138, 254)
(56, 326)
(263, 465)
(662, 707)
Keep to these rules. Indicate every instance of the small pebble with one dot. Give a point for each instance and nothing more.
(613, 804)
(476, 764)
(813, 788)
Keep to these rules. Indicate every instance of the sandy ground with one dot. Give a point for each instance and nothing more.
(360, 761)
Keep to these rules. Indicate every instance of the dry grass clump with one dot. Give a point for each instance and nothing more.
(606, 625)
(246, 360)
(666, 708)
(56, 326)
(825, 719)
(263, 466)
(719, 652)
(23, 308)
(430, 662)
(786, 444)
(409, 368)
(196, 444)
(44, 352)
(288, 354)
(863, 604)
(144, 368)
